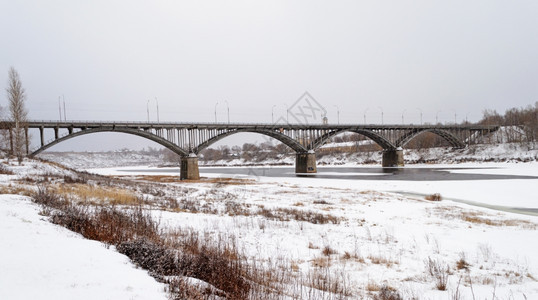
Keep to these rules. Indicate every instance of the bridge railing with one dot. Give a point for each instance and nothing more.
(82, 123)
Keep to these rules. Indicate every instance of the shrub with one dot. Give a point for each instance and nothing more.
(433, 197)
(327, 251)
(4, 170)
(436, 270)
(387, 293)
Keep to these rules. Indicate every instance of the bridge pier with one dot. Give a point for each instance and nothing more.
(189, 168)
(305, 162)
(393, 158)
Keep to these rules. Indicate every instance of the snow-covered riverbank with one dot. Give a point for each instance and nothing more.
(362, 234)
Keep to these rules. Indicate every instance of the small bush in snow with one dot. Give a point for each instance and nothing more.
(433, 197)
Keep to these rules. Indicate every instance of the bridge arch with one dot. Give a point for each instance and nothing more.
(447, 136)
(286, 140)
(150, 136)
(378, 139)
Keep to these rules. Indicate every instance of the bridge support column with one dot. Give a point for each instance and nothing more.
(392, 158)
(189, 168)
(305, 162)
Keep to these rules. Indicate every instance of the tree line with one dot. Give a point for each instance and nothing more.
(520, 125)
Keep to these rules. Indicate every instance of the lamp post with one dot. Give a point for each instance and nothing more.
(65, 118)
(381, 114)
(420, 115)
(147, 107)
(273, 114)
(157, 103)
(59, 108)
(337, 114)
(228, 110)
(403, 116)
(364, 115)
(216, 111)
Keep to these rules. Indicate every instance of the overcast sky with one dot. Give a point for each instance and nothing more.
(108, 58)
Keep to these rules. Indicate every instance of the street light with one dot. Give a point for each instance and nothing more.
(273, 114)
(59, 108)
(157, 103)
(381, 114)
(364, 115)
(420, 115)
(216, 111)
(65, 118)
(403, 116)
(337, 114)
(437, 117)
(147, 106)
(228, 109)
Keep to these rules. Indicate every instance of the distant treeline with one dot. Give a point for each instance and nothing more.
(521, 126)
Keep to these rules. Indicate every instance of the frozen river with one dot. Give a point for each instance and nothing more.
(503, 186)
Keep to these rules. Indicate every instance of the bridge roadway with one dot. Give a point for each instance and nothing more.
(188, 139)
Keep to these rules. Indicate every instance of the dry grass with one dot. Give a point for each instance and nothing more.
(136, 234)
(321, 262)
(475, 218)
(287, 214)
(372, 286)
(462, 264)
(98, 194)
(382, 260)
(4, 170)
(387, 293)
(16, 190)
(328, 251)
(433, 197)
(439, 272)
(481, 218)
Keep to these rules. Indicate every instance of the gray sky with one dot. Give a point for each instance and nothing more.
(108, 58)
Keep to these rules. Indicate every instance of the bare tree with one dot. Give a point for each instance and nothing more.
(18, 114)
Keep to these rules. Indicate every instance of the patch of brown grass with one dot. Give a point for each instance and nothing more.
(16, 190)
(372, 286)
(473, 217)
(328, 251)
(98, 194)
(381, 260)
(433, 197)
(321, 262)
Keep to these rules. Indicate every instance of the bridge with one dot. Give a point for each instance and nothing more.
(189, 139)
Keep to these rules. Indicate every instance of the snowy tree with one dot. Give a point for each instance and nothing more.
(18, 114)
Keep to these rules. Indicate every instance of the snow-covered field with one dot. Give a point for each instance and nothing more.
(402, 232)
(377, 236)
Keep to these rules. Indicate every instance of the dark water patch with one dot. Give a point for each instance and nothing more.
(350, 173)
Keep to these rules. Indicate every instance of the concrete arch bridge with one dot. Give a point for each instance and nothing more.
(188, 139)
